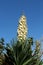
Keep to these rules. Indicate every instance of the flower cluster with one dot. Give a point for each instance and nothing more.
(22, 28)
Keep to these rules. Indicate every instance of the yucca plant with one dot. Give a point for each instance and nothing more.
(21, 53)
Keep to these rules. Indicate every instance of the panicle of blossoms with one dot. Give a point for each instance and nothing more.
(38, 48)
(22, 29)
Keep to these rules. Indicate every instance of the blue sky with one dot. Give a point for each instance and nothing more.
(10, 12)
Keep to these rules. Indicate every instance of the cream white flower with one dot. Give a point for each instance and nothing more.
(22, 28)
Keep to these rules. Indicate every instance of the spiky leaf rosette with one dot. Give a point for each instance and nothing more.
(22, 29)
